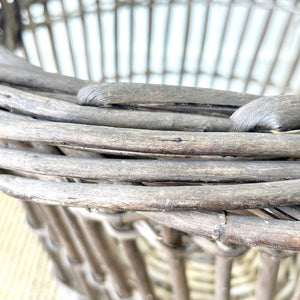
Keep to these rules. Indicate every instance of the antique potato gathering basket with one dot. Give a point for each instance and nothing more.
(155, 144)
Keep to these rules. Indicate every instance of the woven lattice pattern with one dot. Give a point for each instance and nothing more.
(156, 170)
(220, 44)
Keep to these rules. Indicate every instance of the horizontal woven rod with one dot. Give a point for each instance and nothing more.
(158, 96)
(148, 170)
(151, 141)
(15, 70)
(144, 198)
(40, 80)
(143, 93)
(227, 227)
(56, 110)
(57, 96)
(8, 58)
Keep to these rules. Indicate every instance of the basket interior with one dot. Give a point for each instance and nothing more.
(231, 45)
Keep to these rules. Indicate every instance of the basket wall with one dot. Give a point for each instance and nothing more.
(241, 46)
(235, 45)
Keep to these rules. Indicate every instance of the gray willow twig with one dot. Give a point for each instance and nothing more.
(163, 97)
(15, 70)
(244, 230)
(144, 198)
(148, 169)
(141, 140)
(56, 110)
(136, 217)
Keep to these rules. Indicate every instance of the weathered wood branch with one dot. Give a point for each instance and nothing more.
(281, 113)
(56, 110)
(152, 141)
(148, 170)
(144, 198)
(40, 80)
(191, 99)
(245, 230)
(15, 70)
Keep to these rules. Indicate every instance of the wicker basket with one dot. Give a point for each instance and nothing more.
(142, 186)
